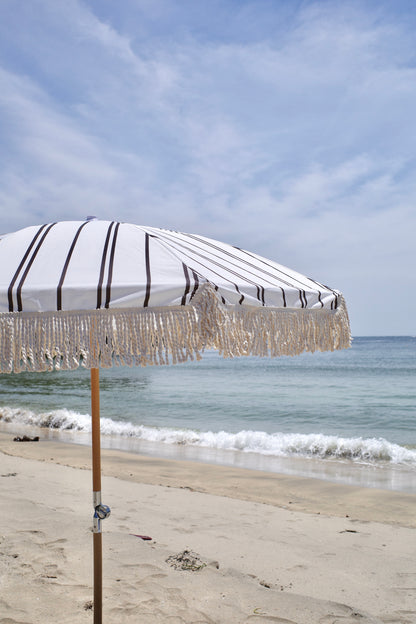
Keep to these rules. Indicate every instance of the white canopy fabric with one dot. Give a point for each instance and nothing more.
(99, 293)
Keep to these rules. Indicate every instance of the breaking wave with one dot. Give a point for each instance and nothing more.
(319, 446)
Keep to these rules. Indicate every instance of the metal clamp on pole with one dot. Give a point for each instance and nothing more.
(101, 512)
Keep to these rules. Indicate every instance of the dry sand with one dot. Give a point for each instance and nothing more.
(271, 548)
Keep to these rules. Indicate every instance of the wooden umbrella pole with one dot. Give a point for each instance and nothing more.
(100, 511)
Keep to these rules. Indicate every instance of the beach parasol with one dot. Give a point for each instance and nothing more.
(99, 293)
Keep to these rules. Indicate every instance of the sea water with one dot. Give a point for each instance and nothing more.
(347, 416)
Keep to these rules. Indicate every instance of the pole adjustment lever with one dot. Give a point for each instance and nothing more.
(102, 511)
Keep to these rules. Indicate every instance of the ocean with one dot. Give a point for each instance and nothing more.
(347, 416)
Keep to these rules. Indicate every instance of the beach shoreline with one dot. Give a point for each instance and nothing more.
(382, 475)
(299, 493)
(271, 548)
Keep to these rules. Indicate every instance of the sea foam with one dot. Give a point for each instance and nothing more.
(319, 446)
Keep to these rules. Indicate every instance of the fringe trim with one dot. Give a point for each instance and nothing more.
(168, 335)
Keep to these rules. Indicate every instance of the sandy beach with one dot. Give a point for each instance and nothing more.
(262, 547)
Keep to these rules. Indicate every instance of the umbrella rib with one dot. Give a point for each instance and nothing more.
(187, 285)
(19, 268)
(110, 267)
(103, 261)
(29, 265)
(148, 273)
(66, 265)
(196, 284)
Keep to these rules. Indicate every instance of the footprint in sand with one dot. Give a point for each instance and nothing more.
(343, 614)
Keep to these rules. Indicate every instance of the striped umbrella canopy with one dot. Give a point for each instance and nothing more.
(98, 293)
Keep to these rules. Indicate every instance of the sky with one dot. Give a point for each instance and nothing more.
(285, 127)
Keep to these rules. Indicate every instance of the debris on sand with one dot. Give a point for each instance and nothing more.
(26, 438)
(186, 560)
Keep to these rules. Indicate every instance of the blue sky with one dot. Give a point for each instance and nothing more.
(283, 127)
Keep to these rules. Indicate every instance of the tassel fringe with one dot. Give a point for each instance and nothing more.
(169, 335)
